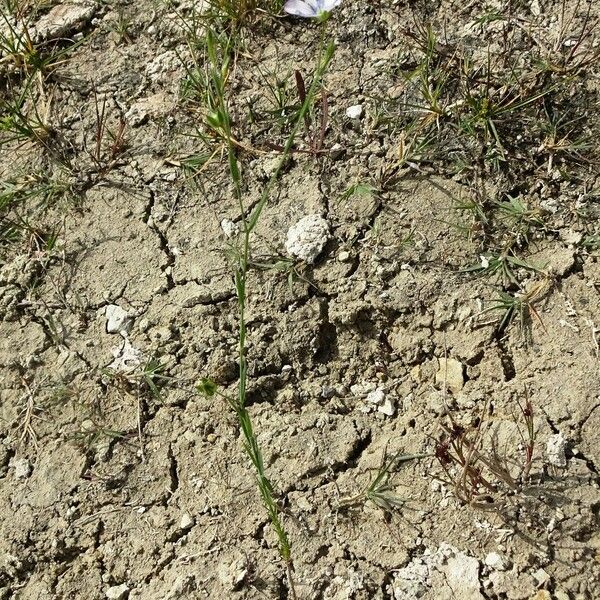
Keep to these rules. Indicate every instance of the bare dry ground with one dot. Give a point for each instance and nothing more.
(453, 312)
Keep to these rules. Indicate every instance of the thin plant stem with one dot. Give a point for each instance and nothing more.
(249, 222)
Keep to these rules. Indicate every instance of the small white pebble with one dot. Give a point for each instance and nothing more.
(230, 229)
(387, 408)
(555, 450)
(494, 561)
(376, 396)
(354, 112)
(22, 467)
(187, 521)
(117, 592)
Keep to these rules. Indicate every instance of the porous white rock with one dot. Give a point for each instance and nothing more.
(445, 573)
(387, 408)
(126, 358)
(229, 227)
(376, 397)
(307, 238)
(494, 561)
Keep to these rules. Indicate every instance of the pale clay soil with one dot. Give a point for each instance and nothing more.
(170, 509)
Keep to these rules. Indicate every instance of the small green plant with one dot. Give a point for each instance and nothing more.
(121, 26)
(21, 117)
(518, 218)
(520, 306)
(379, 490)
(217, 67)
(503, 264)
(92, 433)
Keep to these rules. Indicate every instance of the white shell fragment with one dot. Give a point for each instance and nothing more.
(307, 238)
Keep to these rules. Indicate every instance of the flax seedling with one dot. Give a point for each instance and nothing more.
(249, 219)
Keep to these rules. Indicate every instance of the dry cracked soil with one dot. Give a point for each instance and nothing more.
(119, 480)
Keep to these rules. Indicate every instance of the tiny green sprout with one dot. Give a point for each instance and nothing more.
(206, 387)
(379, 490)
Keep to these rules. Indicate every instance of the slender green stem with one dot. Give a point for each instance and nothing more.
(249, 222)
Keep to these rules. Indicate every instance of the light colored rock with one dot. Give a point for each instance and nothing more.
(230, 228)
(541, 577)
(376, 397)
(186, 522)
(126, 358)
(22, 467)
(494, 561)
(117, 592)
(450, 373)
(555, 450)
(307, 238)
(64, 19)
(535, 8)
(232, 574)
(117, 320)
(355, 111)
(443, 574)
(387, 408)
(462, 576)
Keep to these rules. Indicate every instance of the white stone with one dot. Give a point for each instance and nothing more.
(117, 320)
(63, 19)
(117, 592)
(229, 227)
(355, 111)
(555, 450)
(187, 521)
(462, 574)
(541, 577)
(22, 467)
(387, 408)
(307, 238)
(494, 561)
(376, 397)
(443, 573)
(126, 358)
